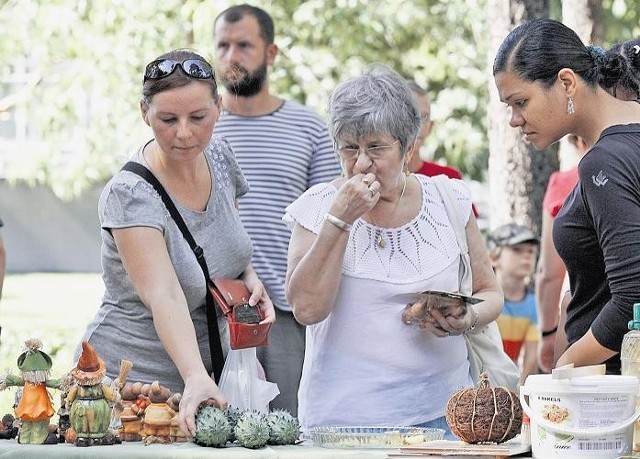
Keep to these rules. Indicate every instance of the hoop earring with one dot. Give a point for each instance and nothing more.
(571, 109)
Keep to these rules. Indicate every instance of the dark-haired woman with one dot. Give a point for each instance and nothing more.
(153, 310)
(554, 85)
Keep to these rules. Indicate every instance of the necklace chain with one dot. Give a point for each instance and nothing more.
(379, 236)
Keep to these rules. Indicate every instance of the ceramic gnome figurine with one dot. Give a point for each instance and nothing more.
(34, 409)
(90, 401)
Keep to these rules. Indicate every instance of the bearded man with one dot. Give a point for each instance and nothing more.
(283, 148)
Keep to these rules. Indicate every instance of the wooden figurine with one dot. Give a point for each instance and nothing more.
(9, 428)
(90, 401)
(63, 411)
(158, 415)
(134, 403)
(177, 435)
(118, 406)
(34, 409)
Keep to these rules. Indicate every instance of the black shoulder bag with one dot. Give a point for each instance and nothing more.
(215, 347)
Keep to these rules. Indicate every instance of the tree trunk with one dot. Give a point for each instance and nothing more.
(518, 174)
(585, 17)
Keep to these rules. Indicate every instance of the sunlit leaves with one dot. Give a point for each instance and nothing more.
(87, 56)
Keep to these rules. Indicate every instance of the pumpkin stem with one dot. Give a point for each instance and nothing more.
(484, 380)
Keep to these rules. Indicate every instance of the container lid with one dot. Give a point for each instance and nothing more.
(591, 384)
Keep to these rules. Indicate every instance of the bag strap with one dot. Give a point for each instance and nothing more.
(449, 205)
(215, 347)
(442, 184)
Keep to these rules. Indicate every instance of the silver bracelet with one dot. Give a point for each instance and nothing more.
(335, 221)
(474, 319)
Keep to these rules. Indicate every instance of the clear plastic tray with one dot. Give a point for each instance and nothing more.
(372, 437)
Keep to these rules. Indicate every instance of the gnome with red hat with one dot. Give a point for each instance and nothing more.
(90, 401)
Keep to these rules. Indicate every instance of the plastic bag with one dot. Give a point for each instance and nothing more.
(243, 382)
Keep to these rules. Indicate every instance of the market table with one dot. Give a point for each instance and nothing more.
(11, 449)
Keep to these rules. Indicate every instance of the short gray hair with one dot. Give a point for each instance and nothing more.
(377, 102)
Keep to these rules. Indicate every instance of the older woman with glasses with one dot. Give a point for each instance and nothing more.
(154, 311)
(362, 247)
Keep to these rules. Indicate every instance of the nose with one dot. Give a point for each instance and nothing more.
(363, 162)
(184, 130)
(515, 120)
(233, 53)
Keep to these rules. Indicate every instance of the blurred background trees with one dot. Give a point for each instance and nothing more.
(72, 71)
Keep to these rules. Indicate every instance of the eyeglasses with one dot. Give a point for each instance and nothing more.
(374, 152)
(162, 68)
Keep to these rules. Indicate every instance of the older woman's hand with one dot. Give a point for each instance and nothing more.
(447, 322)
(198, 390)
(357, 196)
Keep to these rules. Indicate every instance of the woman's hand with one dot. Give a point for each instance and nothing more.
(198, 390)
(454, 319)
(355, 197)
(259, 295)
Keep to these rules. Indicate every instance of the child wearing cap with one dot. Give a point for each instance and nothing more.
(513, 250)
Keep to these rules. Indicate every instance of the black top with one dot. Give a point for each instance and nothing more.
(597, 234)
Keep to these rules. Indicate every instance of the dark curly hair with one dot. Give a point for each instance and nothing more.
(621, 72)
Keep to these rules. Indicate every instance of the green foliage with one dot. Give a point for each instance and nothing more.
(84, 60)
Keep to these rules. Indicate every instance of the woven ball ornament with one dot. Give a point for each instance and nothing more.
(484, 414)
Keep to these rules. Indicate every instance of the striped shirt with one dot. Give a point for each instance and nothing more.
(518, 323)
(281, 154)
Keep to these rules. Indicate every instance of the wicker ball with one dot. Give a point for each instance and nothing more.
(484, 414)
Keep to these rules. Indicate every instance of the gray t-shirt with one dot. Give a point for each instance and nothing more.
(123, 326)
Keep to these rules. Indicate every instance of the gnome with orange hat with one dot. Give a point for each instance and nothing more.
(90, 401)
(35, 407)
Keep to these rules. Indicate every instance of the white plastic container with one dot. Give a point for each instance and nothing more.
(630, 359)
(580, 417)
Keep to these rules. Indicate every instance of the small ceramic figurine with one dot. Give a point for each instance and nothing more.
(9, 428)
(158, 415)
(118, 406)
(90, 401)
(63, 411)
(34, 409)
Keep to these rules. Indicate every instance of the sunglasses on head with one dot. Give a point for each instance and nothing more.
(162, 68)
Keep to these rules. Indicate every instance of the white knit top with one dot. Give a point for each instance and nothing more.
(362, 365)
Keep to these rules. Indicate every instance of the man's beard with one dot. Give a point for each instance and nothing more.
(249, 85)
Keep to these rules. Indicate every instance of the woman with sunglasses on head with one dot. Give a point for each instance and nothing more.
(153, 312)
(365, 245)
(554, 85)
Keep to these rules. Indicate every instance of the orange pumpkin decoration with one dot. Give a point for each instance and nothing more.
(484, 414)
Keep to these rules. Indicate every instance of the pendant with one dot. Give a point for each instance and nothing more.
(381, 242)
